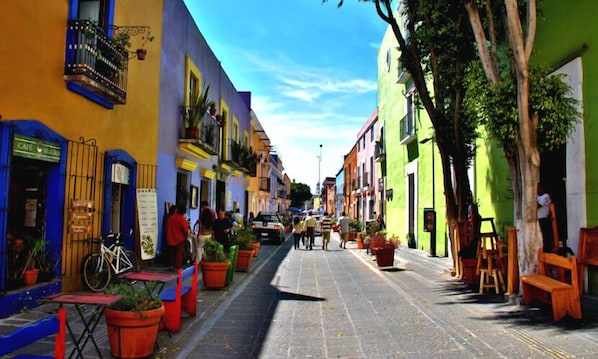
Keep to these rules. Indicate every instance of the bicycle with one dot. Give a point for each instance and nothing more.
(98, 268)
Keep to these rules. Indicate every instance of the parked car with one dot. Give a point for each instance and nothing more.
(268, 225)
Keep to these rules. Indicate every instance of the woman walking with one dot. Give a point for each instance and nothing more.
(297, 230)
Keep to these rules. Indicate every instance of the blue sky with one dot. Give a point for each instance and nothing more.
(311, 69)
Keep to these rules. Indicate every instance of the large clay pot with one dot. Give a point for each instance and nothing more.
(384, 256)
(360, 244)
(256, 248)
(133, 334)
(244, 258)
(30, 276)
(214, 274)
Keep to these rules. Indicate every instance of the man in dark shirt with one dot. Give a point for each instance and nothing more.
(222, 227)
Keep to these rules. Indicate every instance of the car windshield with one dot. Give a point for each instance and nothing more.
(267, 218)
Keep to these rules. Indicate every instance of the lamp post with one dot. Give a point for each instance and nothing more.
(430, 216)
(319, 168)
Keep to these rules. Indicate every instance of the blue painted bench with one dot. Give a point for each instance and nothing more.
(179, 298)
(33, 332)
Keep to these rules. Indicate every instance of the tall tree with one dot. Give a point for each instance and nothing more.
(300, 192)
(435, 40)
(499, 25)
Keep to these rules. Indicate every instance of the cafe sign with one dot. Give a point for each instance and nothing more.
(30, 147)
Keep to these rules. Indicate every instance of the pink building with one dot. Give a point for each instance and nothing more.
(365, 172)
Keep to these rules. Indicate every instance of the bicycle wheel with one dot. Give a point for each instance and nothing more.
(96, 272)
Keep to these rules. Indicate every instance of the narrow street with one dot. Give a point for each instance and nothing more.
(338, 304)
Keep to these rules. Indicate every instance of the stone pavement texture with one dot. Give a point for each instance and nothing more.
(338, 304)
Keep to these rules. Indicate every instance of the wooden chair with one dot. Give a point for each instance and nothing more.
(587, 253)
(33, 332)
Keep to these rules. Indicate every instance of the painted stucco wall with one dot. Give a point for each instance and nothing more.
(32, 86)
(566, 34)
(183, 43)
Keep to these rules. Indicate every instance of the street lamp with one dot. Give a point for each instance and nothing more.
(319, 168)
(430, 215)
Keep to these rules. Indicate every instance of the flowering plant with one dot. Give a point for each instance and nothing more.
(380, 240)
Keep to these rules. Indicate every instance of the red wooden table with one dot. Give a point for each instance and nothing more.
(97, 300)
(151, 277)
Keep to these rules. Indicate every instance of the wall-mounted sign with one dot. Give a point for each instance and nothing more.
(30, 147)
(120, 173)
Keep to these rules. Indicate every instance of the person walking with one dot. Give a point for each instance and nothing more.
(310, 230)
(177, 230)
(297, 231)
(325, 228)
(545, 220)
(205, 222)
(222, 228)
(344, 221)
(238, 218)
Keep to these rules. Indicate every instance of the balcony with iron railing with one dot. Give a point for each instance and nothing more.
(95, 62)
(265, 184)
(407, 128)
(205, 136)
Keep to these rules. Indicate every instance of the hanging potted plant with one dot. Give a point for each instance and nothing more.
(133, 322)
(214, 264)
(141, 51)
(244, 238)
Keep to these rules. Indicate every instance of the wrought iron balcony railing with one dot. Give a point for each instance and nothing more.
(94, 61)
(206, 135)
(265, 184)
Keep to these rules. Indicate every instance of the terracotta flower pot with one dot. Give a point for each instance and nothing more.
(384, 256)
(214, 274)
(30, 276)
(244, 258)
(256, 248)
(133, 334)
(360, 244)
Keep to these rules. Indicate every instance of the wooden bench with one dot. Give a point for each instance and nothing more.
(587, 253)
(564, 297)
(179, 298)
(33, 332)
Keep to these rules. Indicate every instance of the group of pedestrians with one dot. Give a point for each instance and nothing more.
(304, 230)
(210, 224)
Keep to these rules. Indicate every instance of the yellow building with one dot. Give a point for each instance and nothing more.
(78, 129)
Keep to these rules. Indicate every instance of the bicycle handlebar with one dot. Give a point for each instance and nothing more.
(113, 236)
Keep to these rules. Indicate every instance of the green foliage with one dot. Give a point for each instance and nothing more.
(192, 115)
(243, 238)
(496, 106)
(355, 225)
(134, 299)
(213, 251)
(123, 40)
(300, 192)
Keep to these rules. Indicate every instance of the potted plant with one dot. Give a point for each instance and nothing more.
(383, 247)
(244, 238)
(38, 261)
(141, 52)
(193, 114)
(137, 315)
(214, 264)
